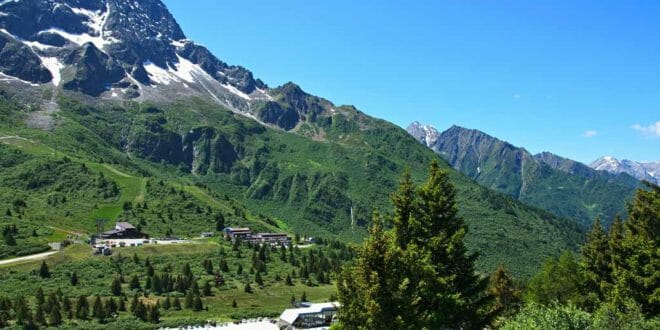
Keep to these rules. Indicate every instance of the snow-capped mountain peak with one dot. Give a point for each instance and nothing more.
(642, 171)
(426, 134)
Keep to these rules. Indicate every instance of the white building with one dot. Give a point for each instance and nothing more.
(312, 316)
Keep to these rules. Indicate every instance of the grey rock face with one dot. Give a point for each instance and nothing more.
(126, 49)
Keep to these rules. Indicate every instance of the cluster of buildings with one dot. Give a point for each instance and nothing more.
(246, 235)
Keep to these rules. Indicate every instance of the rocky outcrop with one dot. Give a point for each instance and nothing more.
(18, 60)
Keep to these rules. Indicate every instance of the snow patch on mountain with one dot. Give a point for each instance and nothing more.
(642, 171)
(53, 65)
(426, 134)
(236, 91)
(96, 21)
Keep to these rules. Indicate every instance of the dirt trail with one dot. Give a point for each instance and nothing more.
(38, 256)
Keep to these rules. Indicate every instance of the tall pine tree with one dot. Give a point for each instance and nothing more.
(597, 266)
(420, 274)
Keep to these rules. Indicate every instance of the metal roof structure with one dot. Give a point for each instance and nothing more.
(291, 315)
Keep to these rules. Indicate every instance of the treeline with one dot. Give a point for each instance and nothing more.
(614, 284)
(419, 275)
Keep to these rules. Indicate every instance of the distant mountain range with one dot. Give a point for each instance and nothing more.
(643, 171)
(562, 186)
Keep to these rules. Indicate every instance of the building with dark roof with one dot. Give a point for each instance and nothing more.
(122, 230)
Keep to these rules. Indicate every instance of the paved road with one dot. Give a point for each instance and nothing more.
(26, 258)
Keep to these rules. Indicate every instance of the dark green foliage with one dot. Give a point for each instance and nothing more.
(429, 257)
(154, 314)
(55, 316)
(506, 296)
(39, 315)
(135, 283)
(559, 280)
(167, 304)
(177, 304)
(206, 290)
(97, 309)
(247, 288)
(140, 312)
(82, 308)
(637, 255)
(115, 287)
(22, 311)
(44, 272)
(74, 279)
(597, 266)
(197, 304)
(188, 303)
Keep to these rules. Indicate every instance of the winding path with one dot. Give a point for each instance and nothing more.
(38, 256)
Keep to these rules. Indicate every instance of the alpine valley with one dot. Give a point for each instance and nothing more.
(109, 113)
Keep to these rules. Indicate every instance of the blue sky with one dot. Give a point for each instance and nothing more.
(577, 78)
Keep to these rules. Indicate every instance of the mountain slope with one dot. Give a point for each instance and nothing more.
(559, 185)
(128, 97)
(642, 171)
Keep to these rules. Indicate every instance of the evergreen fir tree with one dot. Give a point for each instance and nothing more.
(219, 222)
(234, 304)
(55, 316)
(206, 290)
(258, 279)
(289, 281)
(111, 307)
(122, 304)
(115, 287)
(177, 304)
(167, 304)
(197, 304)
(402, 201)
(82, 308)
(420, 274)
(44, 272)
(506, 297)
(637, 273)
(247, 288)
(41, 298)
(74, 279)
(369, 290)
(22, 311)
(134, 303)
(39, 315)
(154, 314)
(97, 309)
(140, 312)
(188, 302)
(596, 264)
(134, 284)
(66, 307)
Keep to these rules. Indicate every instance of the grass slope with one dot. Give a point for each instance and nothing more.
(190, 161)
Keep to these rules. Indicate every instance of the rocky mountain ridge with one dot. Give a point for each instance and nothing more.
(557, 184)
(129, 50)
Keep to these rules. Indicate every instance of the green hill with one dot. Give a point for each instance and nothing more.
(174, 168)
